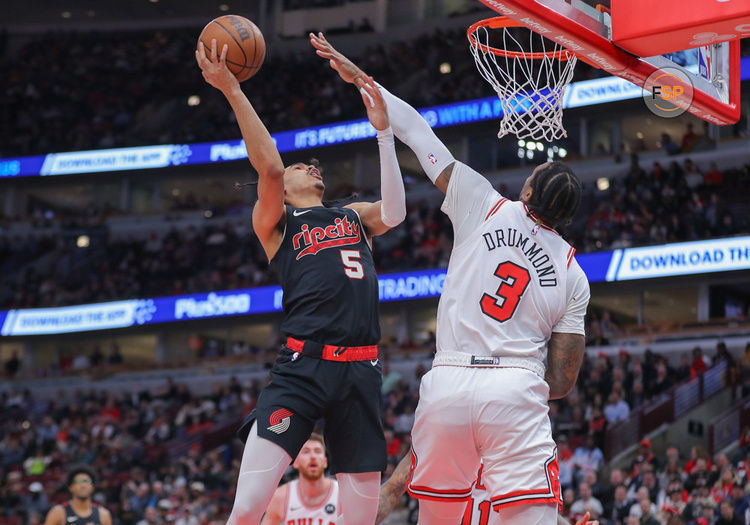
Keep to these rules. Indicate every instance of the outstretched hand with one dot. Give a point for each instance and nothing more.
(374, 103)
(214, 68)
(585, 521)
(345, 67)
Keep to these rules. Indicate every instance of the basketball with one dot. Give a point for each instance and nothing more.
(247, 48)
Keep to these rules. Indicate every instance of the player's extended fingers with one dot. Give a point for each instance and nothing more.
(367, 96)
(584, 520)
(213, 50)
(223, 58)
(201, 51)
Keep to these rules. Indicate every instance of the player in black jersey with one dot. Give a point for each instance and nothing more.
(329, 366)
(79, 510)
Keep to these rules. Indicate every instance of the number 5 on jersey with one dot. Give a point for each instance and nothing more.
(352, 267)
(515, 280)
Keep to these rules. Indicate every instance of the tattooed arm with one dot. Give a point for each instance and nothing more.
(564, 358)
(392, 490)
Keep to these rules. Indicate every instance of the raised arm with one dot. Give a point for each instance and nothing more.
(408, 125)
(261, 150)
(379, 217)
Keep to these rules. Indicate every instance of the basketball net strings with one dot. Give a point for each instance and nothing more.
(530, 90)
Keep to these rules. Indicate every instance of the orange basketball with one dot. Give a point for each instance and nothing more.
(247, 48)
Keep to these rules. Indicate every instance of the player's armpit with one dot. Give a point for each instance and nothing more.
(276, 511)
(564, 358)
(444, 178)
(392, 490)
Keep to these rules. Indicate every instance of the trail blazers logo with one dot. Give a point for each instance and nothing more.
(311, 241)
(280, 420)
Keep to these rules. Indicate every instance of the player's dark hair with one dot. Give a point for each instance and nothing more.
(556, 194)
(327, 203)
(80, 469)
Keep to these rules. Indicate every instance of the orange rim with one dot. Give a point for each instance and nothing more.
(500, 22)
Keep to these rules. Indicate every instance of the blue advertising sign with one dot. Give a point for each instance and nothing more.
(717, 255)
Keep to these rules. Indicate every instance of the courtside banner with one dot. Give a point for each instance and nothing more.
(718, 255)
(619, 265)
(578, 94)
(138, 312)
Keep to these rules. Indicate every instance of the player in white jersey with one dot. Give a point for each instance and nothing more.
(477, 511)
(513, 301)
(312, 499)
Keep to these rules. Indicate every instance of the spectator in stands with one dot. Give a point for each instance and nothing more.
(643, 506)
(728, 515)
(667, 145)
(713, 176)
(586, 503)
(565, 462)
(683, 371)
(689, 139)
(675, 501)
(700, 362)
(36, 502)
(739, 498)
(646, 512)
(662, 382)
(12, 365)
(587, 458)
(619, 508)
(616, 409)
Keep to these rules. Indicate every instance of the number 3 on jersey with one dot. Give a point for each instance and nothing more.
(515, 280)
(352, 267)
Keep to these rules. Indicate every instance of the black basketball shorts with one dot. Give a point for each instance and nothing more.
(346, 395)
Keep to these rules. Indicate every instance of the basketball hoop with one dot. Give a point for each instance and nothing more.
(530, 80)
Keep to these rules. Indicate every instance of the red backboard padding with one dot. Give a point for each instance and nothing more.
(649, 28)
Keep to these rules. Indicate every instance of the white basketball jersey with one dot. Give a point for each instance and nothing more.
(299, 514)
(510, 282)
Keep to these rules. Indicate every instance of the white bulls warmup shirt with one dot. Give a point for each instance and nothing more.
(510, 283)
(297, 513)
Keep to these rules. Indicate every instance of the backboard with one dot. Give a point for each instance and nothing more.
(712, 69)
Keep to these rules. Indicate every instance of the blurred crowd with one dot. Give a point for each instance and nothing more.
(144, 447)
(661, 204)
(169, 455)
(76, 91)
(70, 91)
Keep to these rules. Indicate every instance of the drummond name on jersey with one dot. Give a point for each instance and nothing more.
(512, 238)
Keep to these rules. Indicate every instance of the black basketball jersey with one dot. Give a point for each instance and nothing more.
(71, 518)
(326, 270)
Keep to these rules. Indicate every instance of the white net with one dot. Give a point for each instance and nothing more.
(530, 79)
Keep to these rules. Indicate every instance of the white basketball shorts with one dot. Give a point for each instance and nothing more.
(494, 415)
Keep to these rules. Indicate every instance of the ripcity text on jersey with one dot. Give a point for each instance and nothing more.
(328, 276)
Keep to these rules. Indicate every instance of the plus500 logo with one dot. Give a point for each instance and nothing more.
(214, 305)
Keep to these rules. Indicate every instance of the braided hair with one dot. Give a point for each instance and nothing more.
(556, 194)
